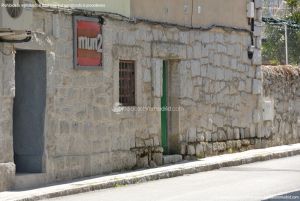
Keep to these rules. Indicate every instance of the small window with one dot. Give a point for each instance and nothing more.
(127, 83)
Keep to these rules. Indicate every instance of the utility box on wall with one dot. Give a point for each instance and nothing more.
(268, 109)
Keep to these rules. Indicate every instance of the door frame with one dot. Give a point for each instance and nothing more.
(164, 105)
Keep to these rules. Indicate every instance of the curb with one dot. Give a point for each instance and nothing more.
(206, 164)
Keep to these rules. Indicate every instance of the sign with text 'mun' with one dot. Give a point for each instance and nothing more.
(87, 43)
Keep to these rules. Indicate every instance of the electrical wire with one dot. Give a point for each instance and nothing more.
(27, 39)
(280, 22)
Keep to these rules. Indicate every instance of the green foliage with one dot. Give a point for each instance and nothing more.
(292, 3)
(273, 49)
(295, 17)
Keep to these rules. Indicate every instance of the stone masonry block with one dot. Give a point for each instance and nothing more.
(183, 149)
(256, 87)
(236, 133)
(156, 141)
(230, 135)
(168, 50)
(147, 75)
(199, 150)
(201, 137)
(257, 59)
(149, 143)
(258, 73)
(195, 65)
(259, 15)
(259, 4)
(247, 133)
(252, 131)
(158, 158)
(208, 136)
(222, 135)
(257, 29)
(191, 150)
(257, 116)
(157, 77)
(192, 135)
(7, 174)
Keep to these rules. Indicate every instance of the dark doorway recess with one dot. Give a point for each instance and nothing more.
(29, 111)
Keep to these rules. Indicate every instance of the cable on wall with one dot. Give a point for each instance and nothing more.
(135, 20)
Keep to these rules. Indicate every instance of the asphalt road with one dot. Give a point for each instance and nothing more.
(257, 181)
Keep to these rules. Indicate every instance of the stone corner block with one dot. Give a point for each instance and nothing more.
(257, 59)
(259, 4)
(257, 87)
(7, 174)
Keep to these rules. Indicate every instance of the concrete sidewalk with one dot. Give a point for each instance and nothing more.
(206, 164)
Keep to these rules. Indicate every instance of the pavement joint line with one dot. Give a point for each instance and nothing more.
(170, 171)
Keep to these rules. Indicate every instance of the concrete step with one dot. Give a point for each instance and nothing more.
(171, 159)
(27, 181)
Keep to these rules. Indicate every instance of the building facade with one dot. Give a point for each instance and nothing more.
(59, 122)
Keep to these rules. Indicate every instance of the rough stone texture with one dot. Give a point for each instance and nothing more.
(282, 85)
(171, 159)
(217, 87)
(7, 92)
(228, 88)
(7, 175)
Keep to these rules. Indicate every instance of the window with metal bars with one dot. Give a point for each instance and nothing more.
(127, 83)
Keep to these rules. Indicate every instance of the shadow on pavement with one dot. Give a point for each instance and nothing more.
(294, 196)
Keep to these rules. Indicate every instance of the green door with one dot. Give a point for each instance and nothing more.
(164, 104)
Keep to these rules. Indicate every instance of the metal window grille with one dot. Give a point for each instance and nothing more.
(127, 83)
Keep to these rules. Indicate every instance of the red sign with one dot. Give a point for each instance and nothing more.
(88, 42)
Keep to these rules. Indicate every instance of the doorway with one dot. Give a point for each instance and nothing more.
(169, 104)
(164, 113)
(29, 111)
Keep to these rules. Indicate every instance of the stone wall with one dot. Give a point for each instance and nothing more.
(220, 93)
(215, 82)
(84, 137)
(282, 89)
(7, 87)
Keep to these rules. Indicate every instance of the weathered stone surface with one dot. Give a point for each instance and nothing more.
(214, 137)
(221, 135)
(156, 141)
(216, 84)
(247, 133)
(195, 66)
(142, 162)
(149, 143)
(158, 158)
(236, 133)
(257, 116)
(192, 135)
(200, 137)
(168, 50)
(230, 133)
(191, 150)
(170, 159)
(199, 150)
(7, 175)
(257, 86)
(208, 136)
(183, 149)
